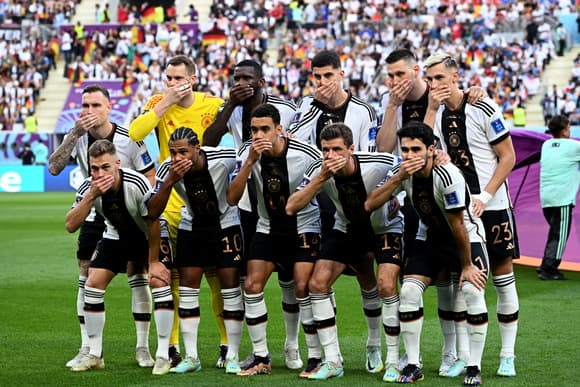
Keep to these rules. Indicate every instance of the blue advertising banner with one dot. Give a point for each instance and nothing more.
(68, 180)
(22, 178)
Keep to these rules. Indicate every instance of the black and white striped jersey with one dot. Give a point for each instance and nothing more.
(239, 123)
(445, 190)
(468, 135)
(347, 192)
(124, 211)
(359, 116)
(204, 192)
(276, 178)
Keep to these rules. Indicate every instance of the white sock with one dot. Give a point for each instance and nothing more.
(257, 322)
(392, 327)
(476, 322)
(81, 311)
(164, 311)
(189, 319)
(507, 311)
(460, 317)
(291, 313)
(95, 319)
(411, 317)
(325, 321)
(312, 341)
(233, 317)
(445, 302)
(372, 309)
(141, 305)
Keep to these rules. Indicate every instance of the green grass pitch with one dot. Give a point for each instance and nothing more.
(39, 330)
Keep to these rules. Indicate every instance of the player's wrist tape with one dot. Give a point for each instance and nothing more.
(484, 197)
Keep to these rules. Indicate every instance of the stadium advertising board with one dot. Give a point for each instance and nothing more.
(22, 178)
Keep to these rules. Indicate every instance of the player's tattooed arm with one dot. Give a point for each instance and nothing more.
(60, 157)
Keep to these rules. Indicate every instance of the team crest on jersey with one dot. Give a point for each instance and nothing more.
(274, 185)
(454, 140)
(206, 120)
(424, 203)
(451, 199)
(497, 126)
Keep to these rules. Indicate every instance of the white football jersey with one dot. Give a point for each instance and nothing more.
(445, 190)
(359, 116)
(468, 136)
(373, 168)
(135, 188)
(287, 109)
(288, 173)
(220, 163)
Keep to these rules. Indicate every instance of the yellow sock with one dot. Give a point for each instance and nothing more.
(174, 338)
(217, 303)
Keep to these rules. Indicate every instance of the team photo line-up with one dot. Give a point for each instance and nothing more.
(410, 197)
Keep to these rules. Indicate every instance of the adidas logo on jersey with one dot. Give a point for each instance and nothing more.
(510, 246)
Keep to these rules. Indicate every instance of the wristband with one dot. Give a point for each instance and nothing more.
(484, 197)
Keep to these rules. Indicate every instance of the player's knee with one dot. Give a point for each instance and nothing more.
(387, 287)
(253, 285)
(155, 283)
(301, 287)
(411, 293)
(474, 298)
(318, 286)
(84, 265)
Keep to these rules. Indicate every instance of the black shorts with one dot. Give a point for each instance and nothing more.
(209, 248)
(429, 258)
(388, 249)
(114, 254)
(347, 248)
(89, 235)
(501, 234)
(285, 250)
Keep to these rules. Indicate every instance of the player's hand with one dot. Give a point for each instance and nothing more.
(410, 167)
(102, 184)
(176, 93)
(438, 96)
(441, 157)
(159, 273)
(240, 93)
(478, 206)
(84, 123)
(331, 165)
(178, 169)
(475, 94)
(259, 146)
(398, 93)
(325, 92)
(474, 275)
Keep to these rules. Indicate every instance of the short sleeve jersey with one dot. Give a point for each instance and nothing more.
(373, 167)
(204, 192)
(276, 178)
(468, 135)
(124, 211)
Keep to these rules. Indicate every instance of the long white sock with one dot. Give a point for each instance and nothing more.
(164, 311)
(392, 327)
(476, 322)
(372, 309)
(312, 341)
(257, 322)
(291, 313)
(325, 321)
(95, 319)
(189, 318)
(411, 317)
(507, 311)
(460, 317)
(141, 305)
(445, 302)
(81, 311)
(233, 317)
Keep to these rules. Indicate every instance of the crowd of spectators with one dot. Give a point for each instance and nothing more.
(485, 36)
(28, 49)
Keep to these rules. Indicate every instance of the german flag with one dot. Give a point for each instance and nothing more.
(214, 36)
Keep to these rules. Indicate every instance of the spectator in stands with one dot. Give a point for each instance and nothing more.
(26, 155)
(40, 150)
